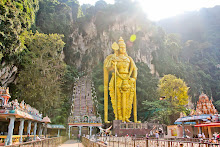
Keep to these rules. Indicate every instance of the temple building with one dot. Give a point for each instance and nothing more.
(84, 118)
(17, 120)
(205, 117)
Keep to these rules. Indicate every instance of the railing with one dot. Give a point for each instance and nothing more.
(47, 142)
(154, 142)
(16, 138)
(91, 143)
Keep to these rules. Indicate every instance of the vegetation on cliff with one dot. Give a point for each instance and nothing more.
(47, 67)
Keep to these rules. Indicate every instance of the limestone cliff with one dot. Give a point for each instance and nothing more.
(91, 42)
(7, 74)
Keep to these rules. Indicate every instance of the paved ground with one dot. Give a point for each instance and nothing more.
(71, 143)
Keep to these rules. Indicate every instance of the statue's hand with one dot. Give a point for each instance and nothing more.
(132, 80)
(114, 63)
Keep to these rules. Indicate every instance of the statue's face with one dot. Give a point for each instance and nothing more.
(122, 50)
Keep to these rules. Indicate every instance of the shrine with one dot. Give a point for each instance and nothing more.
(19, 118)
(205, 106)
(205, 117)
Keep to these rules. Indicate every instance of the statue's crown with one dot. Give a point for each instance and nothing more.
(121, 42)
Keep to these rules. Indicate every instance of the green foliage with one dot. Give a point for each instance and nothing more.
(75, 8)
(46, 83)
(97, 78)
(167, 111)
(54, 17)
(217, 104)
(162, 111)
(199, 56)
(16, 16)
(39, 81)
(173, 89)
(146, 88)
(67, 84)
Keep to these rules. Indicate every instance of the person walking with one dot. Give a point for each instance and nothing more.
(79, 137)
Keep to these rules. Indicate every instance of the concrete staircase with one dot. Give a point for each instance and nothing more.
(82, 98)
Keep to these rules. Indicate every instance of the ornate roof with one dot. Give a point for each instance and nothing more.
(205, 106)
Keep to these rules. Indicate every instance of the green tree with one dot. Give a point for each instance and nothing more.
(175, 92)
(217, 104)
(146, 89)
(16, 16)
(173, 89)
(39, 81)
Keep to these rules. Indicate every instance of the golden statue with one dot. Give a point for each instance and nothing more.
(122, 86)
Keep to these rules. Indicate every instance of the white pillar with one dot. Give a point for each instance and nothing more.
(29, 128)
(40, 130)
(100, 130)
(200, 128)
(80, 130)
(45, 130)
(69, 131)
(35, 130)
(184, 133)
(10, 131)
(58, 133)
(21, 128)
(90, 131)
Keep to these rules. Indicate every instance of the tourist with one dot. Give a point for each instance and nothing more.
(28, 138)
(79, 137)
(38, 138)
(157, 134)
(218, 136)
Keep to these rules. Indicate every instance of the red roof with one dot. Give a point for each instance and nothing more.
(217, 124)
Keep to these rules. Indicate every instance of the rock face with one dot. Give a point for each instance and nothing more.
(7, 74)
(91, 42)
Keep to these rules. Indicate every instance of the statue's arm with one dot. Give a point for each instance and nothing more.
(133, 69)
(108, 62)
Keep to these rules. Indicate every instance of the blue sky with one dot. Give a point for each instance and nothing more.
(160, 9)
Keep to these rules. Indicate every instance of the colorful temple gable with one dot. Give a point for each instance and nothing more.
(205, 106)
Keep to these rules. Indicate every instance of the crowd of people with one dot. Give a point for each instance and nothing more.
(214, 139)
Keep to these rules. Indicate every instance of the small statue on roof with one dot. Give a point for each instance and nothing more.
(22, 105)
(15, 104)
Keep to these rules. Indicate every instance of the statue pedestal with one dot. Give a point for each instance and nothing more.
(131, 128)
